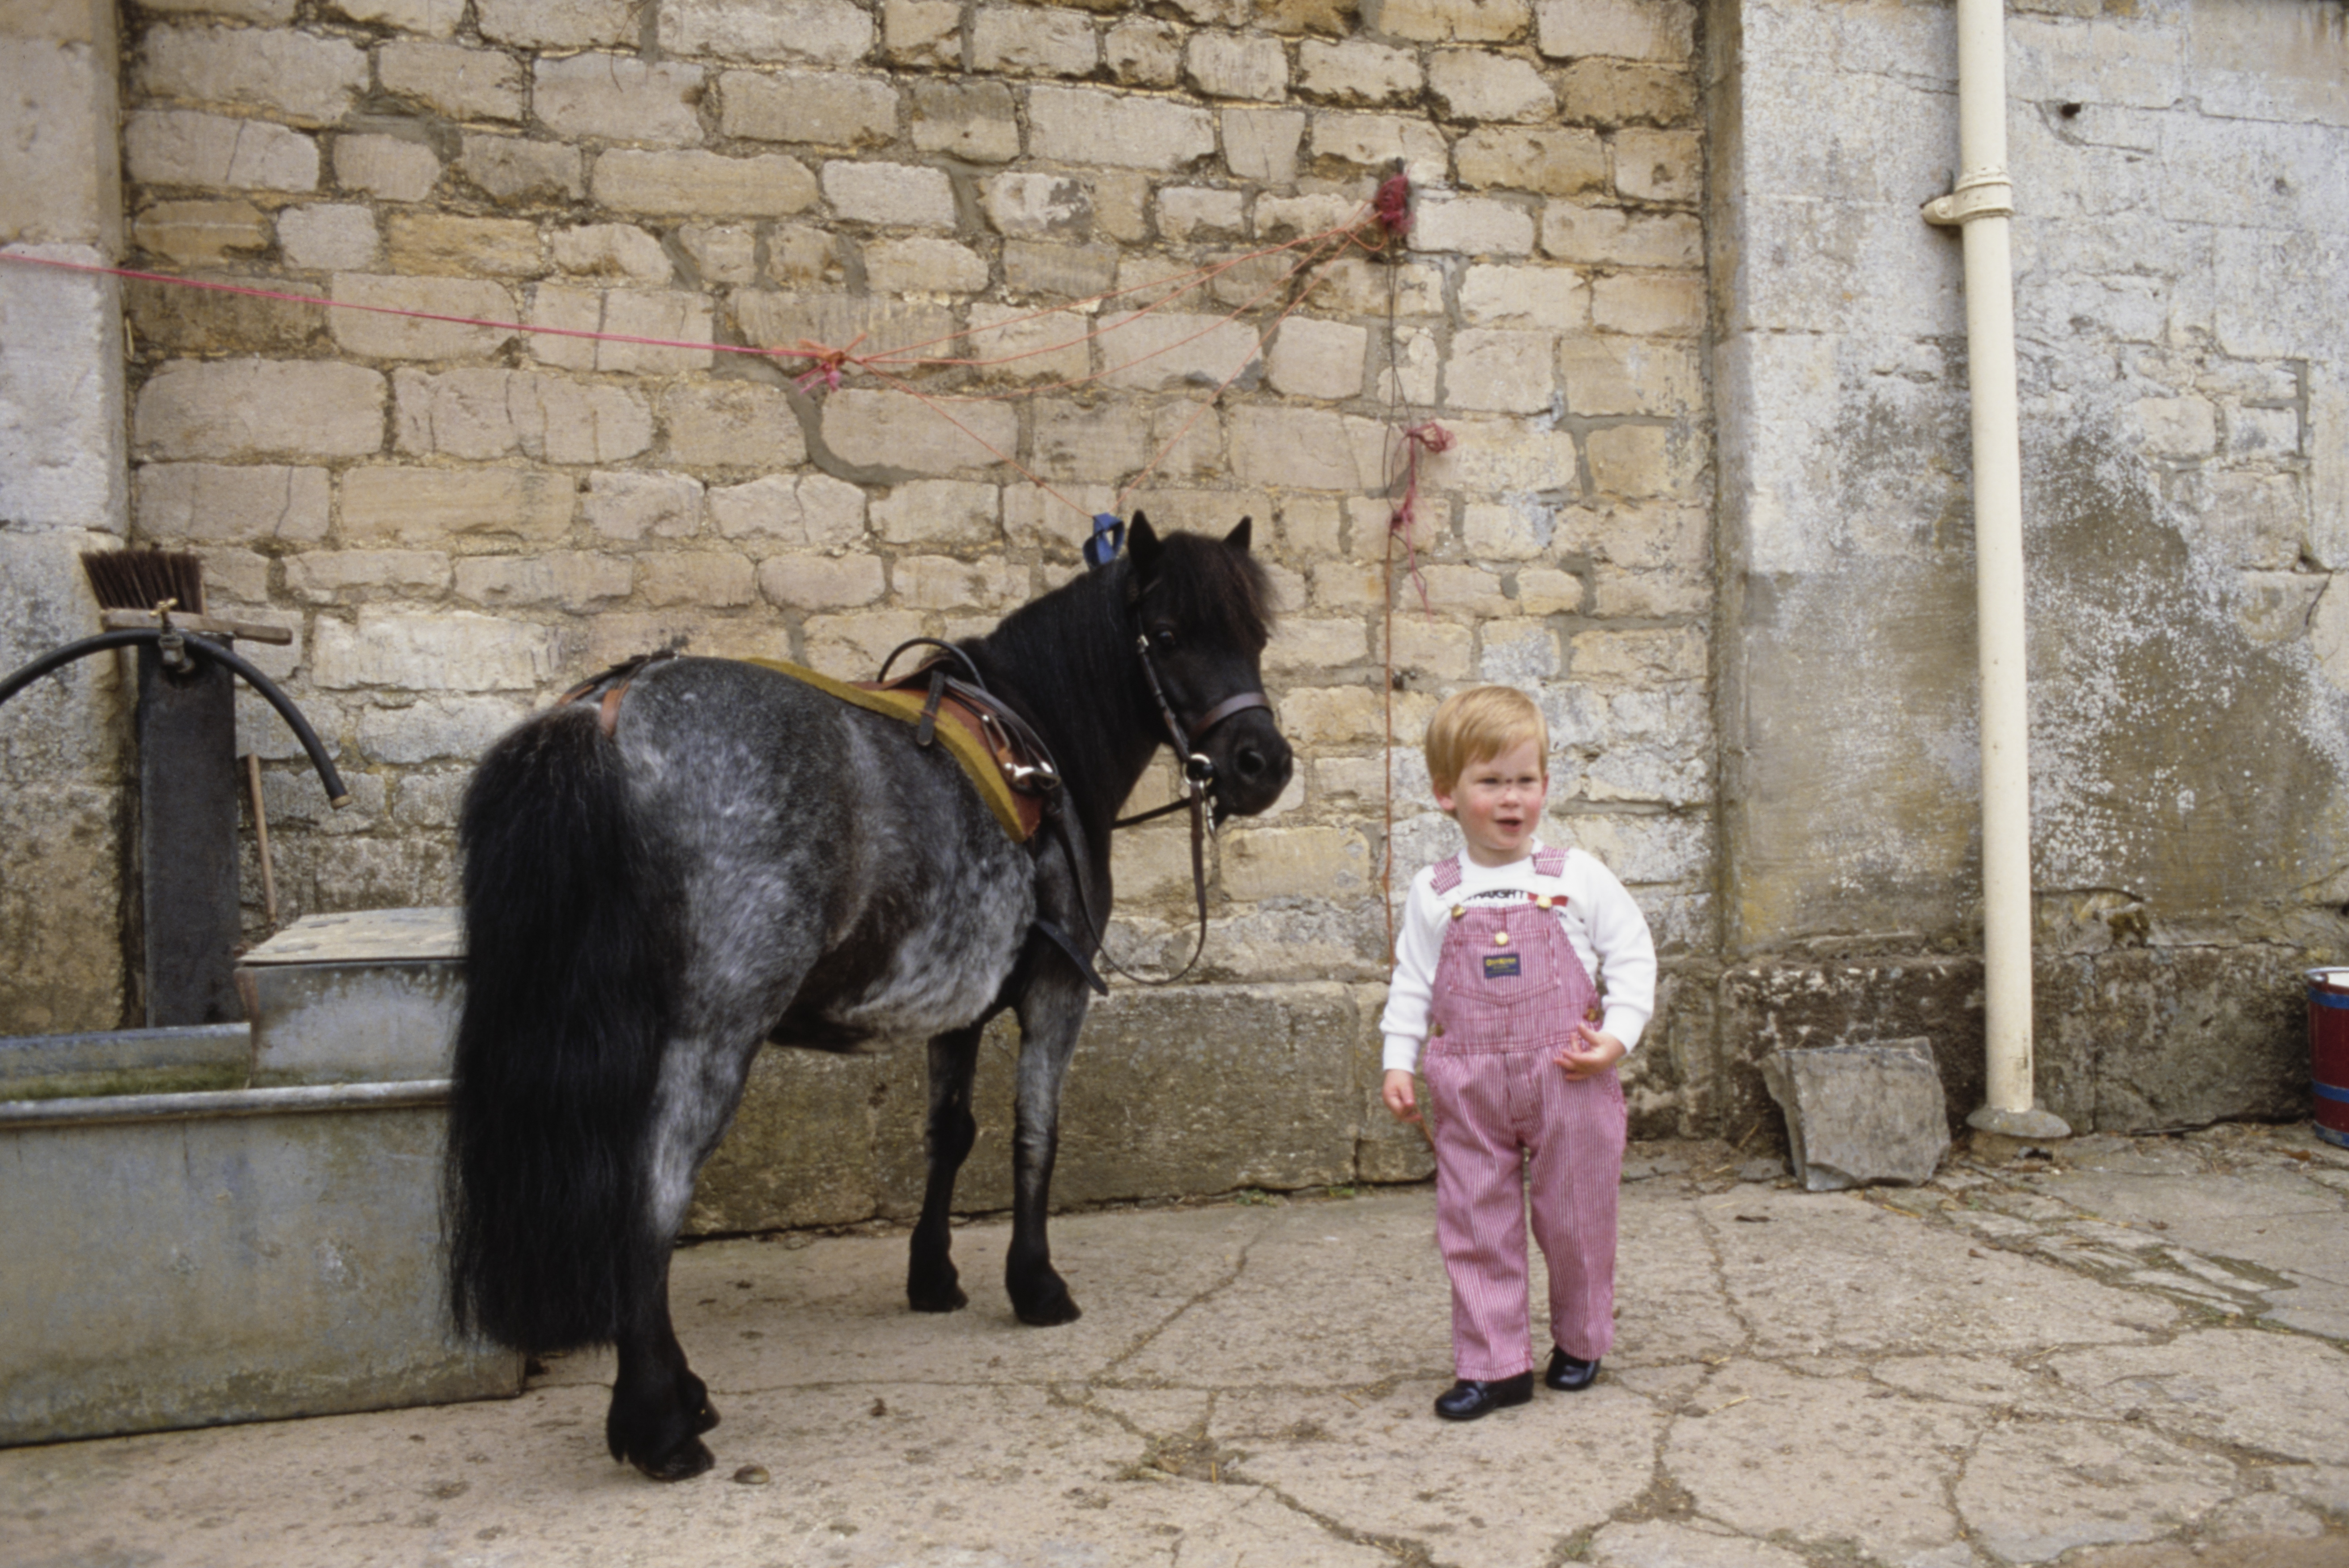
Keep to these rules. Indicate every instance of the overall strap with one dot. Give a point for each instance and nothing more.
(1549, 862)
(1448, 874)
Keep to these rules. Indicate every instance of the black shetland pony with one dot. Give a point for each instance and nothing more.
(740, 858)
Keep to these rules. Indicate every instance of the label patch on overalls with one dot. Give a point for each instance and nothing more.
(1500, 966)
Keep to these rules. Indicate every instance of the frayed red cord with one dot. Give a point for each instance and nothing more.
(1391, 205)
(1429, 437)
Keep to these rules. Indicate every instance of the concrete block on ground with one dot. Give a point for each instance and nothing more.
(1858, 1115)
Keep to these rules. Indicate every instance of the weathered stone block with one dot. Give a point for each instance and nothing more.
(451, 79)
(309, 80)
(731, 425)
(664, 316)
(190, 232)
(329, 237)
(1033, 41)
(1662, 30)
(1659, 165)
(1189, 213)
(1861, 1115)
(821, 582)
(1618, 92)
(696, 577)
(1375, 141)
(618, 97)
(517, 169)
(630, 506)
(1317, 359)
(827, 32)
(373, 335)
(894, 430)
(575, 579)
(454, 245)
(1472, 226)
(693, 183)
(1512, 372)
(922, 32)
(457, 651)
(221, 504)
(921, 265)
(1144, 54)
(1357, 72)
(889, 194)
(1611, 236)
(427, 505)
(939, 512)
(1648, 304)
(243, 410)
(827, 108)
(1233, 65)
(183, 147)
(1457, 21)
(975, 121)
(1261, 143)
(327, 576)
(394, 168)
(611, 249)
(1475, 84)
(1085, 126)
(802, 511)
(558, 23)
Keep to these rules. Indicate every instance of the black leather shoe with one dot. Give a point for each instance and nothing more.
(1568, 1374)
(1467, 1400)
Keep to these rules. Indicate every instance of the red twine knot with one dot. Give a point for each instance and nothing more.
(829, 362)
(1392, 206)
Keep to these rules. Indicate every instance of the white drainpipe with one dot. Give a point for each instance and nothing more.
(1979, 206)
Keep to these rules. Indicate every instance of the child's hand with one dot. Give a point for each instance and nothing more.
(1397, 1091)
(1596, 1053)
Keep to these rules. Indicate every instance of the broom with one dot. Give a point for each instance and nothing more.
(148, 580)
(143, 579)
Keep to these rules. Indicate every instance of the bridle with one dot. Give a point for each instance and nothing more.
(1045, 779)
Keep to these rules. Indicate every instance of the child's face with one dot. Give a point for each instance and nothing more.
(1498, 800)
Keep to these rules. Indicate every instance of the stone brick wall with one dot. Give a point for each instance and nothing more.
(62, 492)
(2182, 308)
(460, 519)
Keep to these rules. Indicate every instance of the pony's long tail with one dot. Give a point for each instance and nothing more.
(558, 1047)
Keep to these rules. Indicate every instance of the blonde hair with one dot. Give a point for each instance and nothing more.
(1480, 723)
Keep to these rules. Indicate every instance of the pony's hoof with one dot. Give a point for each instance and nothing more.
(1055, 1309)
(934, 1299)
(681, 1463)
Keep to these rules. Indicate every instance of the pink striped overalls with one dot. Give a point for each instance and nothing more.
(1508, 992)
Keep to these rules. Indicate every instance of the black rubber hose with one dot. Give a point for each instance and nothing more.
(337, 796)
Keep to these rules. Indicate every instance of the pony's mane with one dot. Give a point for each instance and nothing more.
(1225, 589)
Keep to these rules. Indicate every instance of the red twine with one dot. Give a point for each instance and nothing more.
(1429, 437)
(1391, 205)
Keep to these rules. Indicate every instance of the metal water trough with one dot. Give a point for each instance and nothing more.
(239, 1222)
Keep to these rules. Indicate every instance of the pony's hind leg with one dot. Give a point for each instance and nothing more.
(659, 1408)
(1050, 1016)
(932, 1284)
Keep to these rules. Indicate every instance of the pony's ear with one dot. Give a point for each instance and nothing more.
(1238, 538)
(1141, 540)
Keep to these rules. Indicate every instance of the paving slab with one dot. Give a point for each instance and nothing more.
(2071, 1361)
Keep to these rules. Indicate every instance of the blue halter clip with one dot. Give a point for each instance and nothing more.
(1109, 538)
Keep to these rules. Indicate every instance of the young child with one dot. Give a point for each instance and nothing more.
(1494, 972)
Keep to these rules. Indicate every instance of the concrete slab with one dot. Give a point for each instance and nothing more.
(1893, 1377)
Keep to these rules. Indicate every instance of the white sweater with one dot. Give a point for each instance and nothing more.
(1608, 933)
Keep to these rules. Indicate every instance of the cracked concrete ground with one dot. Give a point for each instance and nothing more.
(2130, 1355)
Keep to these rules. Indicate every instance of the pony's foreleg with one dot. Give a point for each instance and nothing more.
(932, 1284)
(1050, 1016)
(660, 1409)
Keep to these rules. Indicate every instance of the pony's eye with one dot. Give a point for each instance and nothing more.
(1164, 638)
